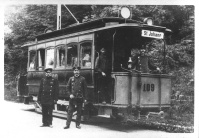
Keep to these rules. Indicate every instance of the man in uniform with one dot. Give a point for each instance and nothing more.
(77, 88)
(142, 63)
(48, 96)
(102, 65)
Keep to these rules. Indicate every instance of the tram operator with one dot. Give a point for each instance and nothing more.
(48, 96)
(141, 61)
(77, 88)
(102, 65)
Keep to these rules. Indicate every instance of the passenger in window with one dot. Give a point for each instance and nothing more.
(62, 59)
(74, 61)
(141, 62)
(104, 71)
(86, 61)
(32, 64)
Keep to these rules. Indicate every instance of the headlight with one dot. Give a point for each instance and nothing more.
(125, 12)
(148, 21)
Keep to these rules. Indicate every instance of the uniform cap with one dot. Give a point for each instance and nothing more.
(48, 69)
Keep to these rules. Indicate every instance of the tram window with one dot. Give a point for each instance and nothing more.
(60, 57)
(41, 59)
(50, 58)
(85, 55)
(32, 60)
(72, 55)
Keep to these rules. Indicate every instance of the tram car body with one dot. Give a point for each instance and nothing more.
(62, 49)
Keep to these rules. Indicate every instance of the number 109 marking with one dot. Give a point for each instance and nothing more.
(148, 87)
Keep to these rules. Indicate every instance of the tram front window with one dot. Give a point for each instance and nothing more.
(72, 55)
(50, 58)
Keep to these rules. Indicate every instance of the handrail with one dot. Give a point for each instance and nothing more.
(130, 70)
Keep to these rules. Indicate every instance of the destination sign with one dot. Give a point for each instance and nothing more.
(152, 34)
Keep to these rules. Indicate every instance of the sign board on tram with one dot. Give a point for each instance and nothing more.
(152, 34)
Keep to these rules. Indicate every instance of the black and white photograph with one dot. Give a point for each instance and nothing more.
(99, 69)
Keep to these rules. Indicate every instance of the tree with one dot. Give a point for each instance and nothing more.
(27, 21)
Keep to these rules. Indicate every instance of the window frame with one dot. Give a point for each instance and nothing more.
(67, 45)
(48, 48)
(57, 56)
(35, 64)
(91, 53)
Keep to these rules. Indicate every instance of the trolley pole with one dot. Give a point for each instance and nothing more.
(58, 16)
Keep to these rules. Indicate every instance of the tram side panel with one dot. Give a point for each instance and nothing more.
(150, 91)
(166, 91)
(34, 79)
(62, 77)
(121, 88)
(33, 82)
(147, 91)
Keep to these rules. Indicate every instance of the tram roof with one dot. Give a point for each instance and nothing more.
(98, 24)
(94, 24)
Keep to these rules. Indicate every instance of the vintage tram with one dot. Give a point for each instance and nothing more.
(80, 45)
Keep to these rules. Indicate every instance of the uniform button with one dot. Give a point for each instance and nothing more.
(51, 86)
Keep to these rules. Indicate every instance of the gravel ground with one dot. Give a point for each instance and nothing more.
(20, 121)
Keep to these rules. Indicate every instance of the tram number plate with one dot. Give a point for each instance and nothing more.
(148, 87)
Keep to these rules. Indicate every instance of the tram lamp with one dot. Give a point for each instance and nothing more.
(148, 21)
(125, 12)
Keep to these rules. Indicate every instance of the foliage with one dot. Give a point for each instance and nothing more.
(11, 67)
(80, 12)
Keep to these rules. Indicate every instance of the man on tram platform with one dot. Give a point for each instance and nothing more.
(140, 61)
(103, 66)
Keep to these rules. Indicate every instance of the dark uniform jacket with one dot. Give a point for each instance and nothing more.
(102, 64)
(142, 63)
(48, 91)
(77, 86)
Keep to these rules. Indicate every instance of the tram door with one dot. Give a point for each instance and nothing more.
(103, 61)
(118, 44)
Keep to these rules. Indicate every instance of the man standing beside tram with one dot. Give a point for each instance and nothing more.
(48, 96)
(77, 88)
